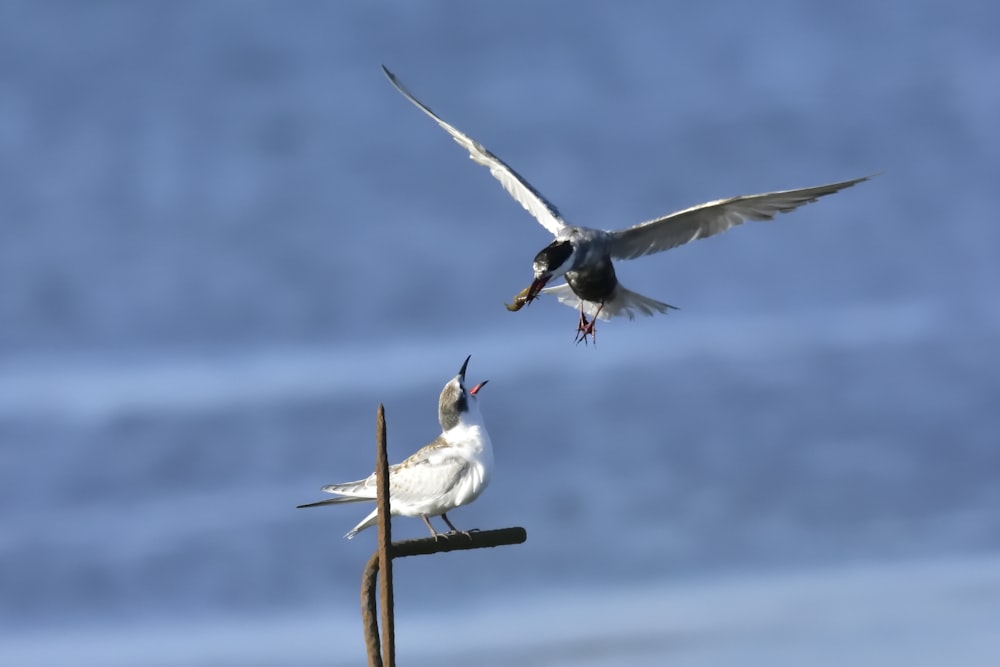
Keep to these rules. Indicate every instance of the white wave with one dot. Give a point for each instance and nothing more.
(917, 614)
(93, 389)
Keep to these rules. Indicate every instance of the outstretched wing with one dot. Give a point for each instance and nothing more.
(518, 188)
(704, 220)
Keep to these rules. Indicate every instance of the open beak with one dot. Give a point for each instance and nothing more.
(536, 286)
(461, 371)
(475, 390)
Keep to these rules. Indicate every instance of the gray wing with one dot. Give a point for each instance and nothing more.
(430, 471)
(428, 481)
(518, 188)
(704, 220)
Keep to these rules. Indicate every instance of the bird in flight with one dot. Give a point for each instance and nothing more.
(449, 472)
(583, 255)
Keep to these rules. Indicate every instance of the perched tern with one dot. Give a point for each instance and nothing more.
(584, 255)
(449, 472)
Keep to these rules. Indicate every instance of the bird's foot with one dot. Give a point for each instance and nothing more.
(585, 328)
(466, 533)
(456, 531)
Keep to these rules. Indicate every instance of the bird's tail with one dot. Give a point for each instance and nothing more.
(623, 302)
(348, 492)
(367, 522)
(363, 489)
(332, 501)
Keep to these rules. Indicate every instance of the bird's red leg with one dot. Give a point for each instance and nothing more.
(581, 326)
(586, 328)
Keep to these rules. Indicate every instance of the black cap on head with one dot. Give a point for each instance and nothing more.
(552, 256)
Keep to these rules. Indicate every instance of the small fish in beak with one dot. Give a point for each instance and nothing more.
(527, 295)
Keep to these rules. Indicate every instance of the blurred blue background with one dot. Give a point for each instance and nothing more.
(226, 239)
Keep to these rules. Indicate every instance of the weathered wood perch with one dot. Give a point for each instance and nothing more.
(380, 564)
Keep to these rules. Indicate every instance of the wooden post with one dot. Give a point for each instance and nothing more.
(379, 567)
(384, 542)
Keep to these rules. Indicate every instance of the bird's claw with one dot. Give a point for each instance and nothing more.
(466, 533)
(585, 328)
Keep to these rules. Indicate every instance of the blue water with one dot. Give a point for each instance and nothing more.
(226, 239)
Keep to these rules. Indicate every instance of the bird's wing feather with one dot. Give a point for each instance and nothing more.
(362, 489)
(715, 217)
(409, 485)
(515, 185)
(432, 470)
(333, 501)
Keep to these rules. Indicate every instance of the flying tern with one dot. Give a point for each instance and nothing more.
(583, 255)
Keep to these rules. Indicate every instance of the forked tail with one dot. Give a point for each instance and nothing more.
(623, 302)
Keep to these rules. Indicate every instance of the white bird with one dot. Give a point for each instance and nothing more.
(449, 472)
(583, 255)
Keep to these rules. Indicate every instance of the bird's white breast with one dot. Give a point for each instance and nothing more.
(471, 441)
